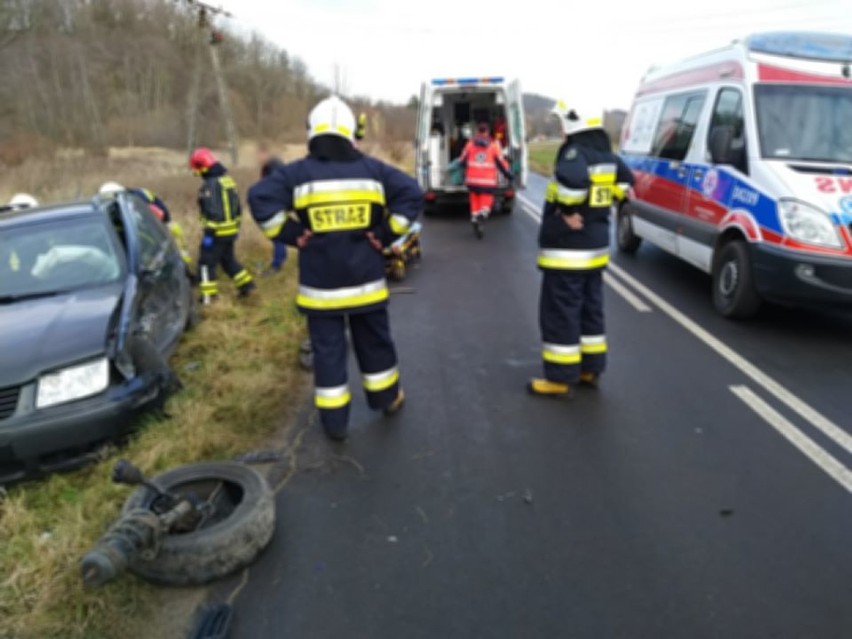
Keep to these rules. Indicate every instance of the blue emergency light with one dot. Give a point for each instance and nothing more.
(827, 47)
(440, 82)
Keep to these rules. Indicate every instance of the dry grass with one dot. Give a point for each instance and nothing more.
(542, 156)
(239, 369)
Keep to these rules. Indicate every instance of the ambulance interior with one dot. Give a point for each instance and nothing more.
(452, 116)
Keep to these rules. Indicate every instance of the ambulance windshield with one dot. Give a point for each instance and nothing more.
(805, 122)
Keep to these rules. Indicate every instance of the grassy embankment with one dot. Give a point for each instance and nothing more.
(542, 156)
(240, 372)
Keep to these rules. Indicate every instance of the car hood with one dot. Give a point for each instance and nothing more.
(826, 186)
(42, 334)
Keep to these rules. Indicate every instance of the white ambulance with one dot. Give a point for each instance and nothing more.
(450, 109)
(743, 165)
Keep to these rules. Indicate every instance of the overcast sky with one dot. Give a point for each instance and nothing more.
(386, 48)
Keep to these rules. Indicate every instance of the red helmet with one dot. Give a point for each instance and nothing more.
(202, 160)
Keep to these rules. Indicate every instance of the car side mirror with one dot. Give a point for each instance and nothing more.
(721, 144)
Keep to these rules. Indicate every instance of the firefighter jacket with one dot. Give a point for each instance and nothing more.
(157, 206)
(482, 158)
(219, 203)
(340, 201)
(587, 180)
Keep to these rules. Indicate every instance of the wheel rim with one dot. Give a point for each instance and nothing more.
(729, 278)
(215, 500)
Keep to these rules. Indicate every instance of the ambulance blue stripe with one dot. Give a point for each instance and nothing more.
(730, 191)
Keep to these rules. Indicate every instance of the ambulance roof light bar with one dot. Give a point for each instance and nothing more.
(440, 82)
(828, 47)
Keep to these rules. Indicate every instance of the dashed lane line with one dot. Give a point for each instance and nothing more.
(816, 453)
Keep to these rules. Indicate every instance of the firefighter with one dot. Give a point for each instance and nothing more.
(341, 208)
(268, 163)
(160, 211)
(21, 202)
(482, 158)
(361, 127)
(219, 205)
(574, 251)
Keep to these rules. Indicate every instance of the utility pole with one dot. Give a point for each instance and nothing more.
(215, 38)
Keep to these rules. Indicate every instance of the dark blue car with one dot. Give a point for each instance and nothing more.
(94, 296)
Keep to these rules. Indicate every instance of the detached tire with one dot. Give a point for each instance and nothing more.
(628, 241)
(734, 292)
(239, 530)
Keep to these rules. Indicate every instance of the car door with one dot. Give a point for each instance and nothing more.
(421, 142)
(667, 194)
(517, 129)
(704, 203)
(162, 294)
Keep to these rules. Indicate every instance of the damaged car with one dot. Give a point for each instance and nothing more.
(94, 297)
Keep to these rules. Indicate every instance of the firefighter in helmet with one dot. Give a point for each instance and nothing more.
(341, 208)
(574, 251)
(158, 208)
(219, 205)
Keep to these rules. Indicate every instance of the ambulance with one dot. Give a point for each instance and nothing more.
(743, 166)
(450, 109)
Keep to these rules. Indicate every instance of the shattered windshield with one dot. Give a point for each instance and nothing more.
(57, 256)
(805, 122)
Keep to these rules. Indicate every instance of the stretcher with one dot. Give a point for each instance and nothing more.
(402, 252)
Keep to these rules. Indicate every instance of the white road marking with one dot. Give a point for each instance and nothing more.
(780, 392)
(818, 455)
(629, 296)
(785, 396)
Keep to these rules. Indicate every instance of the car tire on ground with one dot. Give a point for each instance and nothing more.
(628, 241)
(229, 543)
(508, 206)
(734, 293)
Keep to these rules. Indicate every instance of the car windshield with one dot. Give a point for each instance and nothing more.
(46, 258)
(805, 122)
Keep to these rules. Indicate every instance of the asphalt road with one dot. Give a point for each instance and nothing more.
(703, 491)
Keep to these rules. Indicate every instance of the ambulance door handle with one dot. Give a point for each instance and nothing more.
(681, 172)
(698, 174)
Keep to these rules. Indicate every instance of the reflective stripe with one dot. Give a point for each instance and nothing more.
(331, 398)
(376, 382)
(272, 227)
(242, 278)
(339, 298)
(223, 228)
(559, 354)
(322, 128)
(602, 173)
(570, 197)
(399, 224)
(573, 259)
(593, 344)
(621, 190)
(338, 192)
(209, 288)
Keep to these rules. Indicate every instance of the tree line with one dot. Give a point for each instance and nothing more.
(98, 73)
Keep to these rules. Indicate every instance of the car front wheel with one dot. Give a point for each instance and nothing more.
(628, 241)
(734, 293)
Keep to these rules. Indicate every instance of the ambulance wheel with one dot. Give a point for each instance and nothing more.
(508, 206)
(628, 241)
(734, 293)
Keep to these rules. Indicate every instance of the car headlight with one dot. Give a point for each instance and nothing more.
(74, 382)
(808, 224)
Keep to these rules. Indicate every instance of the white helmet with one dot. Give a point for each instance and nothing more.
(576, 120)
(22, 201)
(111, 189)
(331, 117)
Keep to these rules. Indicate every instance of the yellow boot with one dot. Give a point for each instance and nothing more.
(546, 388)
(591, 380)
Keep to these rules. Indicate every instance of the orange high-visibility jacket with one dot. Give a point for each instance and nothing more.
(482, 156)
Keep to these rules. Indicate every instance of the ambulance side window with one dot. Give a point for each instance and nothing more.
(677, 124)
(728, 112)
